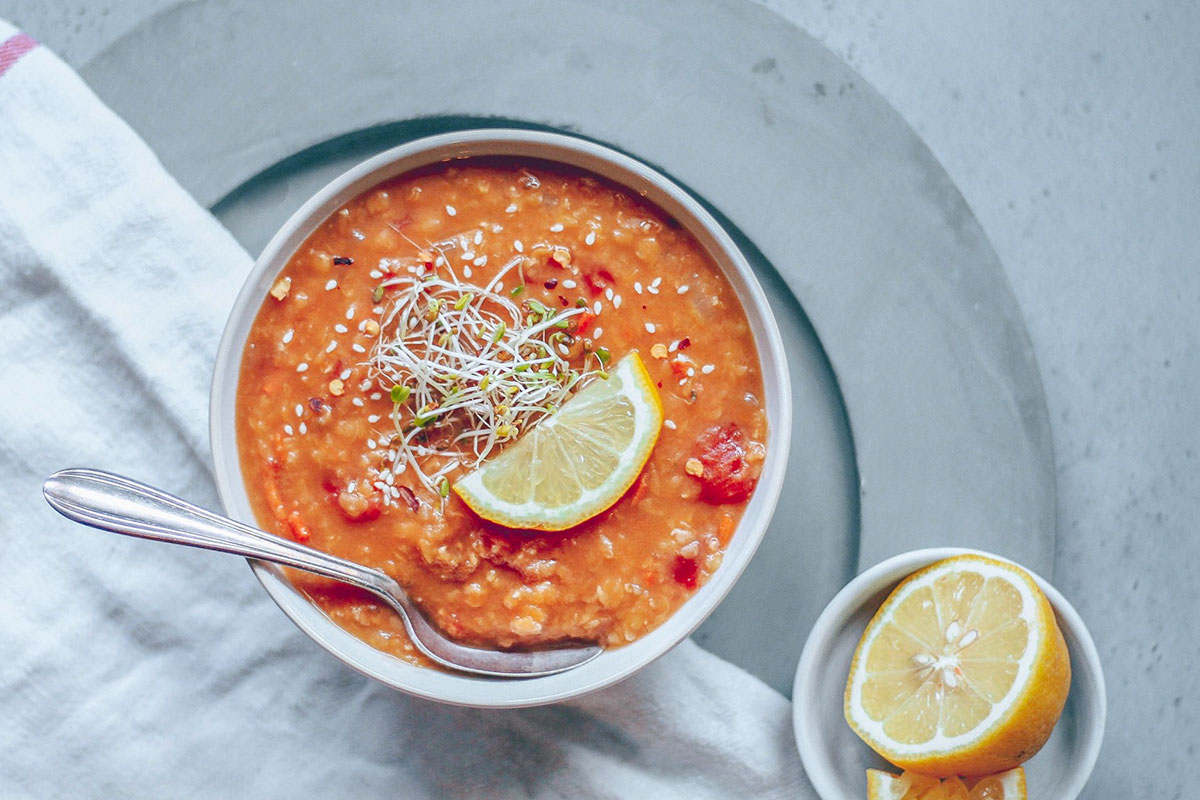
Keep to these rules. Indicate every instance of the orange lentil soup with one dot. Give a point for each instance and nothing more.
(319, 425)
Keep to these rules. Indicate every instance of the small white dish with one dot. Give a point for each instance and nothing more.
(612, 665)
(836, 760)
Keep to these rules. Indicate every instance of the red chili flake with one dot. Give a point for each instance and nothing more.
(685, 343)
(550, 284)
(563, 301)
(343, 261)
(685, 571)
(410, 499)
(727, 477)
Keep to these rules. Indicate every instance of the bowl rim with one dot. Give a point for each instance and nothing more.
(1087, 671)
(642, 179)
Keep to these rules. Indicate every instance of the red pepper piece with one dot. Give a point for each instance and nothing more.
(686, 571)
(727, 477)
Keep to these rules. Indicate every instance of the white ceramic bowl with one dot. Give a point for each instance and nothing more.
(836, 759)
(613, 665)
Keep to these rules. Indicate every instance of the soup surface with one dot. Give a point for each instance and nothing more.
(320, 424)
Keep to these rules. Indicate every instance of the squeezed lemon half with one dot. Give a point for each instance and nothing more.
(576, 463)
(962, 671)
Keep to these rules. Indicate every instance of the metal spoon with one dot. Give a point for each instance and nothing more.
(121, 505)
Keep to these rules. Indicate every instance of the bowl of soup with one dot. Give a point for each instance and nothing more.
(318, 437)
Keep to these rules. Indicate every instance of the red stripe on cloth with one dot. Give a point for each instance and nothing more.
(12, 50)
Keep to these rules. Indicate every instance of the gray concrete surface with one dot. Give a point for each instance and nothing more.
(1071, 131)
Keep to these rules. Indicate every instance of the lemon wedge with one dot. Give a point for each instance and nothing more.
(576, 463)
(962, 671)
(1008, 785)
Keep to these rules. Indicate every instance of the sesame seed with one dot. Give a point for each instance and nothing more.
(682, 289)
(669, 423)
(364, 385)
(656, 282)
(468, 255)
(596, 307)
(358, 348)
(467, 271)
(590, 238)
(478, 237)
(682, 381)
(608, 293)
(512, 209)
(569, 284)
(376, 396)
(650, 327)
(562, 348)
(440, 261)
(357, 234)
(707, 369)
(377, 310)
(556, 227)
(299, 409)
(652, 289)
(329, 348)
(375, 273)
(637, 286)
(373, 419)
(302, 366)
(345, 212)
(518, 245)
(350, 312)
(370, 444)
(351, 486)
(345, 374)
(674, 346)
(691, 372)
(287, 337)
(596, 334)
(358, 401)
(451, 210)
(479, 262)
(303, 428)
(616, 301)
(497, 228)
(331, 285)
(289, 430)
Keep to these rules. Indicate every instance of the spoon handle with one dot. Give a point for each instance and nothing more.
(121, 505)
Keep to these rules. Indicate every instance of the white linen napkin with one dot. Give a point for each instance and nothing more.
(130, 669)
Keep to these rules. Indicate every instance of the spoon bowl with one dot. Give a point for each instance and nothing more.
(121, 505)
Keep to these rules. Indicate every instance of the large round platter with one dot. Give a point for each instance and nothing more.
(919, 416)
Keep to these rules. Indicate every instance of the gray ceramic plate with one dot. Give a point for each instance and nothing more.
(934, 431)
